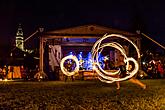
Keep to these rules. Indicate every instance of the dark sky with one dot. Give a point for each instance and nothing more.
(129, 15)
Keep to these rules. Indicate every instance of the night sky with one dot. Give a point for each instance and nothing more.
(129, 15)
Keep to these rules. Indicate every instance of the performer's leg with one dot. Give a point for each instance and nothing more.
(66, 77)
(118, 85)
(72, 78)
(136, 81)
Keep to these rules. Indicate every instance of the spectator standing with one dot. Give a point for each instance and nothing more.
(160, 69)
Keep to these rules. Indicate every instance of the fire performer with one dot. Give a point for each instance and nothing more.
(121, 64)
(69, 65)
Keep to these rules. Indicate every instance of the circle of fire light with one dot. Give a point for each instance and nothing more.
(64, 70)
(108, 77)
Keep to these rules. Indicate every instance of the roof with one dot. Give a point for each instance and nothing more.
(90, 30)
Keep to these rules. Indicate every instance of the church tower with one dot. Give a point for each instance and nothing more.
(19, 38)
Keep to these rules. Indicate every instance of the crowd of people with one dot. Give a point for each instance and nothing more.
(17, 72)
(154, 69)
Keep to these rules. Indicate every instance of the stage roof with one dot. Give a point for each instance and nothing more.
(86, 31)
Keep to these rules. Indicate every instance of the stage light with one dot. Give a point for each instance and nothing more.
(143, 63)
(141, 75)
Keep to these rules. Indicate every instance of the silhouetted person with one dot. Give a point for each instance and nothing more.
(122, 66)
(69, 69)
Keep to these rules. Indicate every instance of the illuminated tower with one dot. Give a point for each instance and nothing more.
(19, 38)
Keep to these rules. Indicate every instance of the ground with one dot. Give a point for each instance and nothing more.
(81, 95)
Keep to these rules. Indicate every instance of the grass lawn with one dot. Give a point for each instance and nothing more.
(81, 95)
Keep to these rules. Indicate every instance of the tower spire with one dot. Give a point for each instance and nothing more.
(19, 38)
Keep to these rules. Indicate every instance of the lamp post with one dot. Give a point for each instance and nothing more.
(41, 51)
(41, 74)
